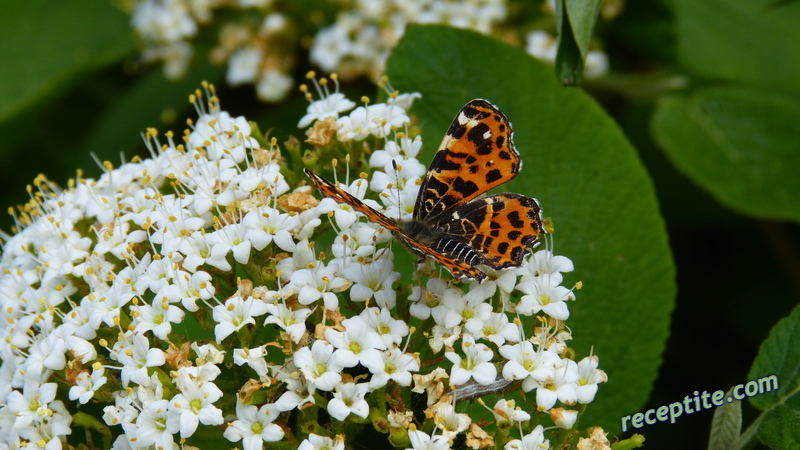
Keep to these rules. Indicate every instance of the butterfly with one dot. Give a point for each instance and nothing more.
(450, 223)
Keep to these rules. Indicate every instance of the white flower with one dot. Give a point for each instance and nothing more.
(86, 385)
(349, 398)
(542, 46)
(405, 101)
(544, 293)
(373, 280)
(269, 225)
(157, 317)
(292, 322)
(422, 441)
(381, 117)
(476, 364)
(319, 282)
(319, 368)
(231, 237)
(391, 365)
(496, 329)
(297, 392)
(560, 387)
(564, 418)
(356, 343)
(427, 298)
(359, 241)
(398, 173)
(343, 214)
(30, 404)
(544, 262)
(354, 127)
(154, 426)
(197, 286)
(197, 251)
(236, 313)
(253, 426)
(163, 21)
(460, 307)
(391, 330)
(273, 85)
(316, 442)
(506, 413)
(207, 354)
(590, 377)
(254, 358)
(525, 363)
(243, 65)
(596, 64)
(195, 405)
(329, 48)
(136, 356)
(329, 106)
(532, 441)
(447, 420)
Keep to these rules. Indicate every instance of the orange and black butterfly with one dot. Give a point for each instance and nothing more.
(450, 224)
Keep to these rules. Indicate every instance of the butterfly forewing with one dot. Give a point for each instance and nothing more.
(477, 154)
(329, 189)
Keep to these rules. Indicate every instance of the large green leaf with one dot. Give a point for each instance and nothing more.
(747, 41)
(739, 144)
(588, 179)
(45, 43)
(778, 360)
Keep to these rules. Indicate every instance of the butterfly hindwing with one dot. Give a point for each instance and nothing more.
(444, 253)
(476, 155)
(500, 228)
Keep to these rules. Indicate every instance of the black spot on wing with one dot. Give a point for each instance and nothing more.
(502, 247)
(464, 187)
(493, 175)
(456, 130)
(478, 133)
(515, 220)
(500, 140)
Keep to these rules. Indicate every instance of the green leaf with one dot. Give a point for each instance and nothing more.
(744, 41)
(739, 144)
(575, 20)
(48, 43)
(726, 425)
(582, 18)
(569, 61)
(588, 179)
(778, 360)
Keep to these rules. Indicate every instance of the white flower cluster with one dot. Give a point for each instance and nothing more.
(99, 276)
(256, 53)
(360, 39)
(258, 42)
